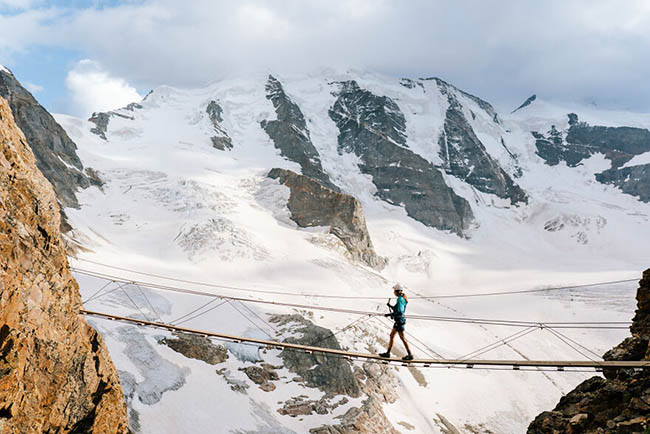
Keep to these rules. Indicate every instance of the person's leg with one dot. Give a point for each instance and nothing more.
(406, 344)
(392, 338)
(390, 343)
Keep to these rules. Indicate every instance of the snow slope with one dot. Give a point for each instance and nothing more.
(175, 206)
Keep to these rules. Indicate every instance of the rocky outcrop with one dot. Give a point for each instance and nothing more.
(369, 418)
(101, 119)
(618, 403)
(55, 371)
(312, 204)
(526, 103)
(221, 140)
(465, 157)
(581, 140)
(373, 128)
(290, 134)
(263, 376)
(334, 376)
(196, 347)
(632, 180)
(484, 105)
(56, 154)
(328, 373)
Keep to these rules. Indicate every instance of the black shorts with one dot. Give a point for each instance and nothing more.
(399, 326)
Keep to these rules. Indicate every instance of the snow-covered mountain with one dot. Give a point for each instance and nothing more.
(432, 188)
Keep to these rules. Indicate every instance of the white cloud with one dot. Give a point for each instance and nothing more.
(32, 87)
(93, 89)
(502, 51)
(17, 4)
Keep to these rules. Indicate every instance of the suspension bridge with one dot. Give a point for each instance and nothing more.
(593, 360)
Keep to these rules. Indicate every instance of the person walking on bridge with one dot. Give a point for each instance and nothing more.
(398, 310)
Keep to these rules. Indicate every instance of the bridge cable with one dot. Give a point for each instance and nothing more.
(261, 291)
(497, 322)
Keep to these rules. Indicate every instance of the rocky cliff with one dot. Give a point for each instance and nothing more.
(465, 157)
(55, 372)
(375, 384)
(581, 140)
(633, 180)
(311, 204)
(290, 134)
(221, 140)
(373, 128)
(618, 403)
(56, 155)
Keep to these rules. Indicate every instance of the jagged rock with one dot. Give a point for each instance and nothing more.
(484, 105)
(197, 347)
(369, 418)
(380, 382)
(312, 204)
(619, 403)
(221, 140)
(465, 157)
(581, 140)
(302, 406)
(55, 371)
(290, 134)
(373, 128)
(56, 155)
(632, 180)
(327, 373)
(526, 103)
(262, 376)
(101, 119)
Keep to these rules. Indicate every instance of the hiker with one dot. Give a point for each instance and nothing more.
(400, 321)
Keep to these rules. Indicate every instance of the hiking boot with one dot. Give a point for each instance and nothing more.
(385, 355)
(408, 357)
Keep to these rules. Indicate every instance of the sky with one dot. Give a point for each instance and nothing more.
(80, 56)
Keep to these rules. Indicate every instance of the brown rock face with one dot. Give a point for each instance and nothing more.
(55, 372)
(619, 403)
(311, 204)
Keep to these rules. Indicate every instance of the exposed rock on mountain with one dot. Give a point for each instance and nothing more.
(581, 140)
(56, 154)
(526, 103)
(618, 403)
(55, 372)
(633, 180)
(101, 119)
(196, 347)
(334, 376)
(330, 374)
(311, 204)
(484, 105)
(465, 157)
(220, 140)
(290, 135)
(373, 128)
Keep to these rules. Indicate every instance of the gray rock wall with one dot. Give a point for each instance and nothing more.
(291, 136)
(373, 128)
(633, 180)
(311, 204)
(56, 155)
(465, 157)
(581, 140)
